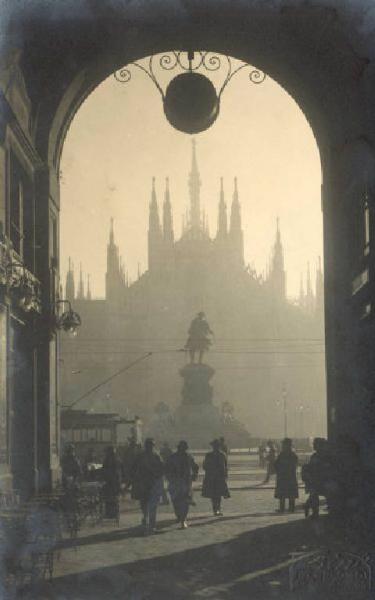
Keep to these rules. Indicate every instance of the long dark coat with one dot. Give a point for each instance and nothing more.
(146, 476)
(286, 475)
(317, 474)
(181, 470)
(216, 473)
(111, 474)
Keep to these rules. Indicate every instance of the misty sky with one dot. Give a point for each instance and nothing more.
(120, 139)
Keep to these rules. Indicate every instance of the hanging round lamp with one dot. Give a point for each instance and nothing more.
(191, 101)
(191, 104)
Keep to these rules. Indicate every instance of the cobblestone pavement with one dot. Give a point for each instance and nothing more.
(244, 554)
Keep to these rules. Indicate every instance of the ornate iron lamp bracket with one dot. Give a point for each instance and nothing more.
(189, 61)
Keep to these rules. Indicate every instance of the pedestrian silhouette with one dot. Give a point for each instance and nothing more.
(147, 484)
(215, 478)
(181, 470)
(286, 476)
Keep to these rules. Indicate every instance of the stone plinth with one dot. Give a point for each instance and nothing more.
(196, 389)
(197, 419)
(198, 424)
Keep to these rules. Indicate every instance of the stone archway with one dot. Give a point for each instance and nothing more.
(321, 56)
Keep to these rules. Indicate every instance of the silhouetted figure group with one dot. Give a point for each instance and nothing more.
(335, 474)
(180, 470)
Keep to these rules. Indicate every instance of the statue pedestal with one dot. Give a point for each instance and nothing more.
(197, 420)
(197, 389)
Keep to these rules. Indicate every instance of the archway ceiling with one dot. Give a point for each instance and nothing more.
(320, 54)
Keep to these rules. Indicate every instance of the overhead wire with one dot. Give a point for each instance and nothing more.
(116, 374)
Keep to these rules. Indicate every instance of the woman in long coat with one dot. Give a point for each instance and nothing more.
(286, 476)
(215, 478)
(181, 470)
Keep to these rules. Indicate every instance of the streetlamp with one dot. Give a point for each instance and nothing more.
(191, 101)
(284, 395)
(69, 321)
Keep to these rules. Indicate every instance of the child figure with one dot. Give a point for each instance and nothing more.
(286, 476)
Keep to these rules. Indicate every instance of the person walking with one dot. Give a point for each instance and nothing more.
(286, 476)
(147, 483)
(317, 476)
(165, 453)
(112, 484)
(181, 470)
(270, 461)
(262, 451)
(215, 478)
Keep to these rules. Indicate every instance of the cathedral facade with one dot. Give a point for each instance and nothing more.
(268, 352)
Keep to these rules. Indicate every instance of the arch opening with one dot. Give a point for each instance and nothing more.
(150, 147)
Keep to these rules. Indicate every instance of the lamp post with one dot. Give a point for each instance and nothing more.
(285, 410)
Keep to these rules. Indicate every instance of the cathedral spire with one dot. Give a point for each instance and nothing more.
(235, 215)
(155, 234)
(194, 190)
(69, 284)
(309, 291)
(235, 228)
(319, 290)
(88, 297)
(81, 288)
(301, 301)
(278, 275)
(222, 225)
(154, 221)
(167, 215)
(278, 253)
(113, 276)
(308, 280)
(111, 233)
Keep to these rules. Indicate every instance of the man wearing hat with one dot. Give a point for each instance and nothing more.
(147, 483)
(215, 478)
(181, 470)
